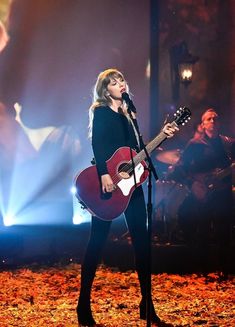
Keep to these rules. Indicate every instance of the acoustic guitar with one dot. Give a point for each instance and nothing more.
(128, 170)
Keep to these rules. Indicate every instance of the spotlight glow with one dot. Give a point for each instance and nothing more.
(79, 215)
(73, 190)
(9, 220)
(77, 219)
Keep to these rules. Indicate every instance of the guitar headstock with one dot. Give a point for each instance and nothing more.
(182, 115)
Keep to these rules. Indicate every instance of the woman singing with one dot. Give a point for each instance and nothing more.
(111, 127)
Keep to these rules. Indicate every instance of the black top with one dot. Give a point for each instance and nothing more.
(111, 130)
(205, 154)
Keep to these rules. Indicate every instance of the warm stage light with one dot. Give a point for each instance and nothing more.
(186, 73)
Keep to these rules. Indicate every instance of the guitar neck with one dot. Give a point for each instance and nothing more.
(224, 172)
(152, 145)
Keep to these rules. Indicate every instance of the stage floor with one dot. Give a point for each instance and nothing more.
(46, 296)
(21, 245)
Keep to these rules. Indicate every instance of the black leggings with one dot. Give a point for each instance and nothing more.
(135, 215)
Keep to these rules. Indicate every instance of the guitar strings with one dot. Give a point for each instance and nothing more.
(116, 178)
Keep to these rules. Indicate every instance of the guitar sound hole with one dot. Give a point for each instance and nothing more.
(125, 170)
(106, 196)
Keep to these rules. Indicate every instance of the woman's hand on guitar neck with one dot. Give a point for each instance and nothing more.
(107, 183)
(170, 129)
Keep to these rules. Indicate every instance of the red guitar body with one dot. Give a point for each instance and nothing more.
(126, 178)
(108, 206)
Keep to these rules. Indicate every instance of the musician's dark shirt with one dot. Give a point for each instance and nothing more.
(206, 154)
(111, 130)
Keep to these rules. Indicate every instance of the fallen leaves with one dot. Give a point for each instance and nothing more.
(48, 297)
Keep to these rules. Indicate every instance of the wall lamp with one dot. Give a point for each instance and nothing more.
(182, 62)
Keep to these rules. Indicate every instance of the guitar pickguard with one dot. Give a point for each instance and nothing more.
(126, 184)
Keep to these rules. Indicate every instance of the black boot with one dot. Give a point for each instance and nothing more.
(85, 318)
(84, 315)
(143, 312)
(153, 316)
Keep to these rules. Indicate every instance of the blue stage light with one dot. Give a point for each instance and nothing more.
(73, 190)
(9, 220)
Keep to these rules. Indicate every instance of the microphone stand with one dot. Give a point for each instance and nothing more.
(152, 170)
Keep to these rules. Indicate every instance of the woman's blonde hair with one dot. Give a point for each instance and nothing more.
(100, 92)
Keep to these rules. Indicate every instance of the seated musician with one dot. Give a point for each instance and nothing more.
(206, 168)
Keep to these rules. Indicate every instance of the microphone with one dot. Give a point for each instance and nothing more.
(125, 97)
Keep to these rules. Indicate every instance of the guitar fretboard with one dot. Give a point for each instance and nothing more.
(152, 145)
(149, 148)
